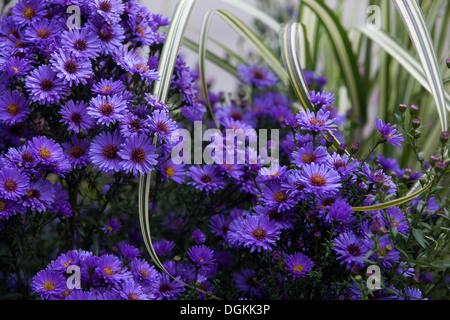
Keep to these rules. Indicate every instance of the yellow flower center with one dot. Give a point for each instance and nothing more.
(12, 109)
(49, 285)
(108, 271)
(2, 205)
(106, 88)
(169, 171)
(44, 153)
(15, 69)
(298, 268)
(28, 12)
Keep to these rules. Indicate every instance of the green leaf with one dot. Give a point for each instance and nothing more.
(418, 235)
(441, 264)
(167, 61)
(345, 57)
(415, 23)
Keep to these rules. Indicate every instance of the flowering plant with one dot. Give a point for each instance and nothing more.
(81, 124)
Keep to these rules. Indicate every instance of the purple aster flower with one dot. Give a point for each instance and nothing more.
(77, 152)
(384, 252)
(343, 164)
(247, 282)
(129, 251)
(396, 218)
(22, 158)
(112, 226)
(193, 112)
(167, 289)
(107, 109)
(26, 11)
(298, 265)
(138, 155)
(162, 124)
(307, 154)
(16, 66)
(378, 177)
(72, 69)
(340, 212)
(109, 10)
(130, 290)
(75, 115)
(206, 178)
(81, 43)
(9, 208)
(40, 196)
(108, 87)
(315, 122)
(42, 33)
(64, 260)
(14, 107)
(272, 173)
(319, 99)
(110, 270)
(61, 205)
(171, 171)
(412, 294)
(185, 83)
(104, 151)
(218, 224)
(163, 247)
(81, 295)
(259, 232)
(319, 178)
(253, 74)
(111, 35)
(50, 154)
(350, 249)
(201, 255)
(389, 133)
(283, 218)
(143, 272)
(49, 284)
(198, 236)
(44, 85)
(275, 197)
(13, 183)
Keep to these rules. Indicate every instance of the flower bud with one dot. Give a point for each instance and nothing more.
(317, 234)
(329, 141)
(434, 158)
(402, 108)
(415, 123)
(354, 147)
(342, 148)
(444, 137)
(417, 133)
(413, 109)
(439, 166)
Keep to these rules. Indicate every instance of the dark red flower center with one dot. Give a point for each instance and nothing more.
(71, 66)
(110, 152)
(10, 185)
(77, 152)
(259, 234)
(354, 249)
(105, 6)
(206, 178)
(138, 155)
(318, 180)
(80, 45)
(106, 109)
(47, 85)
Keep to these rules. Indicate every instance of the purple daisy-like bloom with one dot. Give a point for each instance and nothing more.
(319, 178)
(162, 124)
(283, 218)
(138, 155)
(163, 246)
(275, 197)
(246, 282)
(8, 208)
(44, 85)
(22, 158)
(378, 177)
(13, 183)
(49, 284)
(108, 87)
(307, 154)
(298, 265)
(322, 98)
(14, 107)
(81, 43)
(412, 294)
(81, 295)
(16, 66)
(253, 74)
(218, 224)
(396, 218)
(77, 151)
(198, 236)
(74, 114)
(350, 249)
(340, 212)
(111, 35)
(130, 252)
(40, 196)
(171, 171)
(315, 122)
(206, 178)
(259, 232)
(72, 69)
(167, 289)
(112, 226)
(110, 269)
(201, 255)
(130, 290)
(109, 10)
(107, 109)
(41, 33)
(343, 164)
(132, 125)
(50, 154)
(389, 133)
(26, 11)
(384, 252)
(104, 151)
(143, 272)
